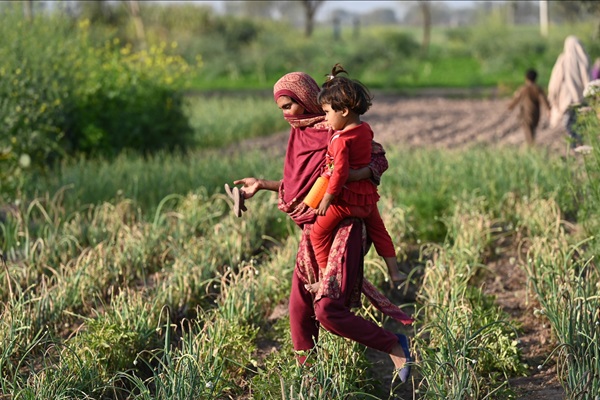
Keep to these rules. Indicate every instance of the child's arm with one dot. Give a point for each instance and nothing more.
(340, 153)
(515, 100)
(339, 175)
(544, 99)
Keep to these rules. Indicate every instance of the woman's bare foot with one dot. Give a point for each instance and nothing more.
(313, 287)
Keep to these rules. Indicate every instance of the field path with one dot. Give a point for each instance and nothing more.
(507, 281)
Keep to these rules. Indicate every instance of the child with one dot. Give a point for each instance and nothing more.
(529, 98)
(344, 101)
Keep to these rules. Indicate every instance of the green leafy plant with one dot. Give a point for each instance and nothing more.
(62, 94)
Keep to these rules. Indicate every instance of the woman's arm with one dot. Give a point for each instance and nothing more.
(376, 168)
(252, 185)
(379, 164)
(359, 174)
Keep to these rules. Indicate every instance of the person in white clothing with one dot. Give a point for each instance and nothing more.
(570, 76)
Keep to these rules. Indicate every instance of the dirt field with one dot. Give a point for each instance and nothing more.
(452, 123)
(438, 122)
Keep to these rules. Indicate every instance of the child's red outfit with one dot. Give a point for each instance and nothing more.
(350, 149)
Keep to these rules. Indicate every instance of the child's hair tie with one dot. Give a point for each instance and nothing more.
(337, 69)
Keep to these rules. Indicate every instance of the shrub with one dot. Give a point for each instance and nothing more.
(62, 95)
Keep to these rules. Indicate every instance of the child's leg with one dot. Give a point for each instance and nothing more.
(383, 243)
(529, 132)
(321, 235)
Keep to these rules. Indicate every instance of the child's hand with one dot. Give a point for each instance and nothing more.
(398, 281)
(397, 278)
(322, 209)
(324, 204)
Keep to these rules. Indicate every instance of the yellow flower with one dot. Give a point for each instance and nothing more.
(84, 24)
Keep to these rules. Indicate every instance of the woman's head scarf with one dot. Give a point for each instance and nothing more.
(303, 89)
(570, 76)
(307, 144)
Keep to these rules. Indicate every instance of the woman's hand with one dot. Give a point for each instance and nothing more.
(300, 208)
(250, 186)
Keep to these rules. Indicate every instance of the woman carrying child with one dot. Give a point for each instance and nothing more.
(296, 95)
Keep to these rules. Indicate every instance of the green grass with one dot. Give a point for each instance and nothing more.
(489, 54)
(148, 180)
(430, 182)
(221, 120)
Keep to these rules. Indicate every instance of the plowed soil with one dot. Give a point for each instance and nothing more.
(440, 122)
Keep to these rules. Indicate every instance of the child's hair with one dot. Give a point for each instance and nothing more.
(342, 92)
(531, 74)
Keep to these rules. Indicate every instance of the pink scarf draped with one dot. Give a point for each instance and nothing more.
(331, 277)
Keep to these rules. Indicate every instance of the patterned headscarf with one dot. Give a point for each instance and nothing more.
(303, 89)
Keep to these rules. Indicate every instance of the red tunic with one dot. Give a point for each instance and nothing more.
(350, 149)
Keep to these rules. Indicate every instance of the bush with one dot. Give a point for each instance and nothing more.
(129, 100)
(61, 95)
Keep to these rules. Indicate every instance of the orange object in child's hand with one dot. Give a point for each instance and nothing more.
(317, 192)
